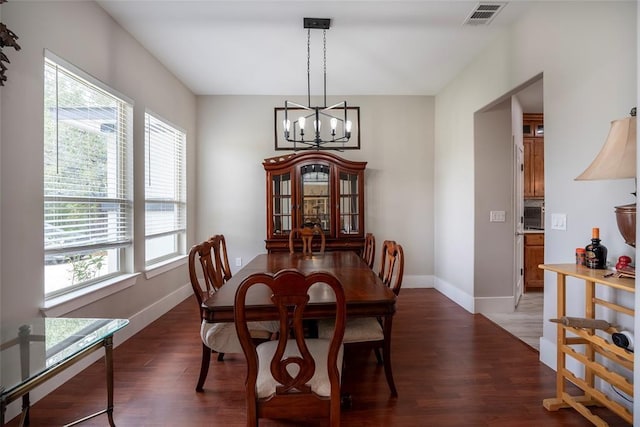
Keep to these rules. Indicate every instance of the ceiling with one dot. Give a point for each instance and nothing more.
(387, 47)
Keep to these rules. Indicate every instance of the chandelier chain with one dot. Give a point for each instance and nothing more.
(309, 67)
(324, 63)
(337, 127)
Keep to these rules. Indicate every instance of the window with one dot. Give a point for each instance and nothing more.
(165, 195)
(87, 179)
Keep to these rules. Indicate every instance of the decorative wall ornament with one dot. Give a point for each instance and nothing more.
(7, 39)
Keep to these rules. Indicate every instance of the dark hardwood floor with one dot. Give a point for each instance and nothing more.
(451, 369)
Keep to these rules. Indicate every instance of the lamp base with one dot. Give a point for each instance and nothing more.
(626, 218)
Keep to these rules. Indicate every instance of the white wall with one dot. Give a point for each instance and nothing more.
(494, 186)
(579, 46)
(482, 82)
(236, 135)
(83, 34)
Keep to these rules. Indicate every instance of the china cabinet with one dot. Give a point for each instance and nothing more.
(315, 187)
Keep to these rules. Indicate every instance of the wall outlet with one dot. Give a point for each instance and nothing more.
(238, 262)
(558, 221)
(497, 216)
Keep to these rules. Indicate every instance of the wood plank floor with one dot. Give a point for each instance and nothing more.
(451, 369)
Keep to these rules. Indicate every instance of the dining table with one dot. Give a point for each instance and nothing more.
(365, 294)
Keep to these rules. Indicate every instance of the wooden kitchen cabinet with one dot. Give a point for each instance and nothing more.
(315, 187)
(533, 125)
(533, 139)
(533, 257)
(533, 167)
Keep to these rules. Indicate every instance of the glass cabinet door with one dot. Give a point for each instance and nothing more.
(281, 194)
(349, 203)
(316, 196)
(315, 187)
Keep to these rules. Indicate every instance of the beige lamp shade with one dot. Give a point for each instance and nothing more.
(617, 158)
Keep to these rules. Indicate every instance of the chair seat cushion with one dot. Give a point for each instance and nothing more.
(360, 329)
(319, 383)
(222, 337)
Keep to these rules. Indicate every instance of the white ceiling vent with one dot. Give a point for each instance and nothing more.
(484, 13)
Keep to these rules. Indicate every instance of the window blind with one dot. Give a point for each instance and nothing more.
(165, 189)
(87, 174)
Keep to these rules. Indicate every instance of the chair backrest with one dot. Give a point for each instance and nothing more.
(306, 235)
(392, 265)
(202, 254)
(369, 250)
(221, 257)
(292, 370)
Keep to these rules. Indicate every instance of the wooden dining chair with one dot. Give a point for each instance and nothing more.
(203, 288)
(369, 331)
(306, 234)
(220, 338)
(369, 250)
(221, 257)
(294, 377)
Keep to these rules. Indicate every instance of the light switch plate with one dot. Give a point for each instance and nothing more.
(238, 262)
(559, 221)
(497, 216)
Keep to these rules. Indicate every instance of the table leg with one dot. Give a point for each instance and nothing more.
(555, 403)
(3, 406)
(386, 355)
(590, 353)
(108, 360)
(562, 335)
(24, 335)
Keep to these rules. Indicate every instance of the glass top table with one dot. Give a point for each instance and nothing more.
(33, 352)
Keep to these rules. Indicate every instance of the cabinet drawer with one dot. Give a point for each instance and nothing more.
(534, 239)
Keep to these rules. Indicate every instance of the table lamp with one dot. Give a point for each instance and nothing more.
(617, 160)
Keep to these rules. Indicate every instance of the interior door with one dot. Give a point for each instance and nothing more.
(518, 199)
(519, 223)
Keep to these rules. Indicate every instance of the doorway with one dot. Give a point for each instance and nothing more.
(524, 319)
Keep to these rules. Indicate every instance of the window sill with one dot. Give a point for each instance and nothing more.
(63, 304)
(164, 266)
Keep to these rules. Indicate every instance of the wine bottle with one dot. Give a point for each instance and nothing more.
(595, 253)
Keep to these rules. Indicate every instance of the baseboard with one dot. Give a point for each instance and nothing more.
(137, 322)
(417, 281)
(494, 304)
(548, 353)
(455, 294)
(144, 317)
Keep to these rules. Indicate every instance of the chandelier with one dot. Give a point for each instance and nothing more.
(308, 130)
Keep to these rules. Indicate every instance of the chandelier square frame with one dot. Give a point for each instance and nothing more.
(338, 111)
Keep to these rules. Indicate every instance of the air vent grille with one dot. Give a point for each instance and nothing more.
(484, 13)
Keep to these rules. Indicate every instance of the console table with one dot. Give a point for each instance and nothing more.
(583, 345)
(33, 352)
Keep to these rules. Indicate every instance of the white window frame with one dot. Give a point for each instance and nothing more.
(120, 195)
(165, 187)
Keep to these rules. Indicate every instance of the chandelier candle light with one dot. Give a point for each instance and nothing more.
(340, 127)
